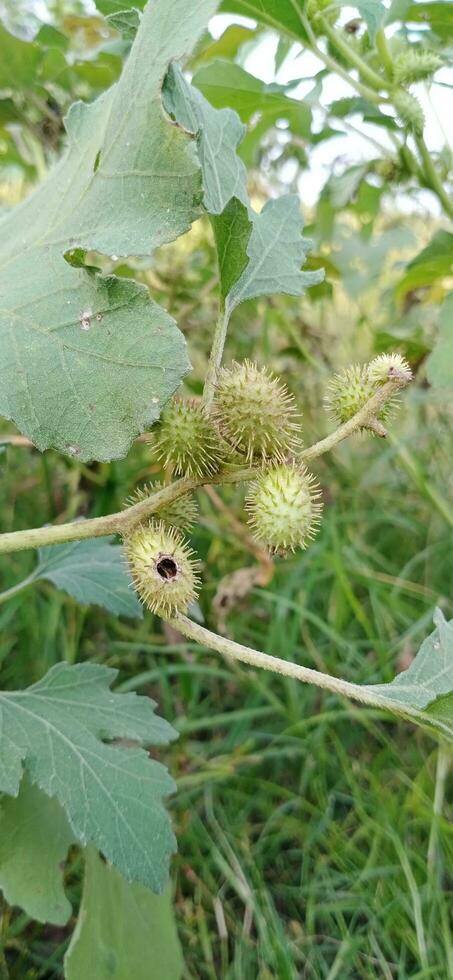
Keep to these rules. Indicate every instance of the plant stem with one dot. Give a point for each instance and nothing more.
(371, 77)
(367, 93)
(15, 589)
(432, 177)
(123, 521)
(382, 47)
(287, 668)
(215, 358)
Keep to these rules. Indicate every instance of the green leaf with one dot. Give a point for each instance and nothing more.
(87, 361)
(440, 362)
(226, 46)
(93, 572)
(342, 188)
(126, 22)
(284, 15)
(123, 930)
(118, 6)
(34, 840)
(432, 263)
(19, 61)
(273, 245)
(56, 731)
(225, 84)
(437, 15)
(232, 232)
(424, 691)
(218, 134)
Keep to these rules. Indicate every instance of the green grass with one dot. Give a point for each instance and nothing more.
(310, 843)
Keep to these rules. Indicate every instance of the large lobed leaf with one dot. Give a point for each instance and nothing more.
(57, 732)
(87, 361)
(218, 134)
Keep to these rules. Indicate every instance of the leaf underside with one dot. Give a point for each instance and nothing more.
(424, 692)
(92, 572)
(34, 839)
(123, 930)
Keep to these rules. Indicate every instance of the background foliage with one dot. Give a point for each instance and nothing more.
(313, 836)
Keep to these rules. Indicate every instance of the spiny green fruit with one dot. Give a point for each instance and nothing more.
(348, 391)
(255, 412)
(409, 111)
(413, 65)
(162, 567)
(188, 440)
(388, 367)
(284, 507)
(180, 513)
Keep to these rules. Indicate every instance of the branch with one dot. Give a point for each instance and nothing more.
(122, 521)
(287, 668)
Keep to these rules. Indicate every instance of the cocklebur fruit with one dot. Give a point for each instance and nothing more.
(409, 111)
(347, 392)
(255, 413)
(413, 65)
(284, 507)
(181, 513)
(187, 440)
(162, 567)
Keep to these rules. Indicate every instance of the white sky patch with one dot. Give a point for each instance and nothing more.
(352, 147)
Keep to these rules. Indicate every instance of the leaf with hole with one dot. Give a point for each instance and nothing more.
(218, 131)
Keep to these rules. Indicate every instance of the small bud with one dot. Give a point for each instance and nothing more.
(163, 570)
(255, 412)
(415, 65)
(388, 367)
(409, 111)
(181, 513)
(284, 507)
(187, 440)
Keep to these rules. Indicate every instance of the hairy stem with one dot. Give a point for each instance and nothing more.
(15, 589)
(365, 72)
(216, 355)
(287, 668)
(122, 521)
(432, 178)
(386, 58)
(367, 93)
